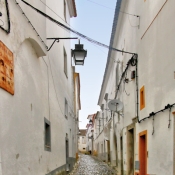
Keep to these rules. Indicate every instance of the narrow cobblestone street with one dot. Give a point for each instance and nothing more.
(90, 165)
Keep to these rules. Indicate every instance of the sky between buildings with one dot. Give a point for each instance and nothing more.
(94, 19)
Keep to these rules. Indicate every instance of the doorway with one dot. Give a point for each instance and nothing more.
(121, 153)
(67, 155)
(143, 152)
(108, 150)
(130, 151)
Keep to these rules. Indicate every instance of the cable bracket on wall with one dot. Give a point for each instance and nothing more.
(76, 32)
(57, 39)
(168, 106)
(134, 16)
(169, 117)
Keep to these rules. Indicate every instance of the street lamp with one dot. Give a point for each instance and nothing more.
(79, 54)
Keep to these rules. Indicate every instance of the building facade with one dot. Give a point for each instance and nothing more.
(90, 133)
(140, 76)
(82, 141)
(38, 104)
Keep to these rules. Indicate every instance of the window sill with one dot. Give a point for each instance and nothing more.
(47, 146)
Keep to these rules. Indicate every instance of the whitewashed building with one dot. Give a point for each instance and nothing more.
(82, 141)
(141, 135)
(90, 133)
(38, 104)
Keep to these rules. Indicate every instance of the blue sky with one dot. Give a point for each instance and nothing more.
(94, 19)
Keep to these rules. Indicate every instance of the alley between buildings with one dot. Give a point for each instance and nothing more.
(90, 165)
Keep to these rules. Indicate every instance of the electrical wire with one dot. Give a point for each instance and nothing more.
(31, 25)
(8, 18)
(53, 12)
(100, 5)
(75, 32)
(69, 25)
(128, 94)
(130, 62)
(2, 22)
(131, 24)
(129, 14)
(169, 117)
(153, 126)
(168, 106)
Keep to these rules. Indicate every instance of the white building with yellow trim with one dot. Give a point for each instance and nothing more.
(141, 137)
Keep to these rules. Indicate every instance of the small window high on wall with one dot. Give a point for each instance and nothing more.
(142, 98)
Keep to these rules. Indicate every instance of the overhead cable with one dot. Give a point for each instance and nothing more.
(8, 19)
(73, 31)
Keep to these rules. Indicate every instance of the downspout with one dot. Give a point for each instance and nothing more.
(137, 93)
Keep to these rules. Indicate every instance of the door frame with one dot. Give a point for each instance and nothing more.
(141, 134)
(129, 128)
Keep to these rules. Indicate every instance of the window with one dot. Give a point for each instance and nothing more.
(47, 142)
(65, 63)
(142, 98)
(66, 109)
(65, 10)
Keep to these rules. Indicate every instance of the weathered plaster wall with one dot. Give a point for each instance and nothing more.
(82, 144)
(40, 91)
(153, 42)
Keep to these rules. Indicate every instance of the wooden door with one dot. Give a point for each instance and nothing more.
(143, 152)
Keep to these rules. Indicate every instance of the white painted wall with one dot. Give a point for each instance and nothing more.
(154, 44)
(82, 143)
(40, 91)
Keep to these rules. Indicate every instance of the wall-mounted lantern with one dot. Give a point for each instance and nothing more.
(79, 54)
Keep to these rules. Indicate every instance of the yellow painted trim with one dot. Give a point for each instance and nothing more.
(142, 98)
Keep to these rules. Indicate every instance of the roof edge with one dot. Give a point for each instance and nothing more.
(115, 22)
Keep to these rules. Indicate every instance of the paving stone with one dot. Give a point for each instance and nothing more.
(90, 165)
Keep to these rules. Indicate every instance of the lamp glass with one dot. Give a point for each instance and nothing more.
(79, 55)
(79, 62)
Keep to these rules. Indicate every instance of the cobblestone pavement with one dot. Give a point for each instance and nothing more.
(90, 165)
